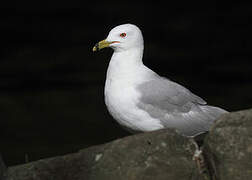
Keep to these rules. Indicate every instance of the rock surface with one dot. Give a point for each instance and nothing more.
(229, 147)
(161, 155)
(158, 155)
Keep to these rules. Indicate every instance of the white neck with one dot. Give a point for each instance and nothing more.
(125, 64)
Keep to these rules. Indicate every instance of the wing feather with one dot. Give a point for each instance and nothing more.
(176, 107)
(168, 95)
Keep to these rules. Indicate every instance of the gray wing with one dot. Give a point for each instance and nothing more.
(167, 95)
(175, 106)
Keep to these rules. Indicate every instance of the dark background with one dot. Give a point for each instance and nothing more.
(51, 83)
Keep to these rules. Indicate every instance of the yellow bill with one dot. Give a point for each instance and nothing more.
(100, 45)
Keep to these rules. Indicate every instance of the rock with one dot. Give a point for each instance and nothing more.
(162, 155)
(157, 155)
(228, 147)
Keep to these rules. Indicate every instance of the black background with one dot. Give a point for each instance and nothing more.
(51, 83)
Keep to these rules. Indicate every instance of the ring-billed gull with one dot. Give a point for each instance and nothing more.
(141, 100)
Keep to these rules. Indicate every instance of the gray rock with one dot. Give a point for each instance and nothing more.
(228, 147)
(156, 155)
(162, 155)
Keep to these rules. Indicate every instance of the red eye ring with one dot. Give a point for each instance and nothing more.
(123, 34)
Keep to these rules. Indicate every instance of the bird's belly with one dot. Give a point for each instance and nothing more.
(122, 105)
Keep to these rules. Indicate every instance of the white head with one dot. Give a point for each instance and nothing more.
(121, 38)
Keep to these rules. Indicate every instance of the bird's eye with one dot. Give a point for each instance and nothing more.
(123, 34)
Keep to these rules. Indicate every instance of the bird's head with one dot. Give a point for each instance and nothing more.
(121, 38)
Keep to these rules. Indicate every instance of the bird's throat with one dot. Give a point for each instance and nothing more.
(125, 63)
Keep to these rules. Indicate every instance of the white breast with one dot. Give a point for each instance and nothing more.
(121, 99)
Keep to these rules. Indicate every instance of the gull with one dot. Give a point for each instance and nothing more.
(140, 100)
